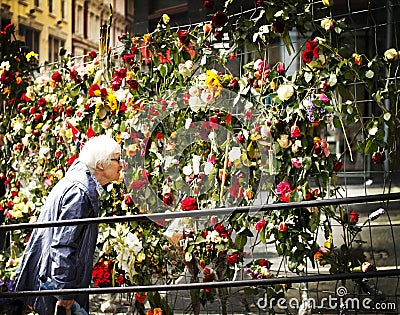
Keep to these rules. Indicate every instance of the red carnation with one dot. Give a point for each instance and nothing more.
(189, 203)
(138, 184)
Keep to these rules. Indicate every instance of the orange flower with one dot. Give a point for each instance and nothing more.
(18, 80)
(156, 311)
(357, 59)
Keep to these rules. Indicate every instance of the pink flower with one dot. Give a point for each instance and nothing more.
(296, 162)
(283, 187)
(323, 98)
(280, 68)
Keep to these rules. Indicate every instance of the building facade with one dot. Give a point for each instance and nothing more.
(47, 25)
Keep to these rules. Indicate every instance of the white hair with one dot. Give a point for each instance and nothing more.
(99, 149)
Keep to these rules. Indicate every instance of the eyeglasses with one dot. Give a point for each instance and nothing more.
(118, 160)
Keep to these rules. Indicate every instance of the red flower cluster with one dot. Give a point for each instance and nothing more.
(310, 51)
(118, 76)
(102, 273)
(378, 158)
(232, 259)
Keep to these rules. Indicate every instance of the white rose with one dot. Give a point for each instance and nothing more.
(391, 54)
(194, 91)
(196, 164)
(208, 168)
(285, 91)
(235, 154)
(195, 103)
(187, 170)
(188, 122)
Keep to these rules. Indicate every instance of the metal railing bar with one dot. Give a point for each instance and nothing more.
(203, 285)
(202, 213)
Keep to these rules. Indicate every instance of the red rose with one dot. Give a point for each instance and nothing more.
(183, 36)
(295, 131)
(232, 259)
(265, 263)
(260, 225)
(168, 199)
(128, 200)
(41, 102)
(337, 166)
(219, 19)
(189, 203)
(93, 54)
(56, 76)
(353, 217)
(282, 227)
(234, 84)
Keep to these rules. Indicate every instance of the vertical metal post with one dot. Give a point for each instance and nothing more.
(389, 41)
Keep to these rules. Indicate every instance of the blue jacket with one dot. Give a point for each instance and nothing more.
(63, 254)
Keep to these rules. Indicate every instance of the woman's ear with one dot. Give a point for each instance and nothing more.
(100, 166)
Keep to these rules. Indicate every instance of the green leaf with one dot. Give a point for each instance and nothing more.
(240, 240)
(371, 147)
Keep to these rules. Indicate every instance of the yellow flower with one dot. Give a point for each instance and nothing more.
(112, 100)
(328, 3)
(140, 257)
(32, 55)
(165, 18)
(212, 78)
(146, 38)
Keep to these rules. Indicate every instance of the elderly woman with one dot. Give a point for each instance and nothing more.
(64, 254)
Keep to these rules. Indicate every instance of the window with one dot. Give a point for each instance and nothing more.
(31, 36)
(63, 9)
(51, 6)
(54, 47)
(79, 20)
